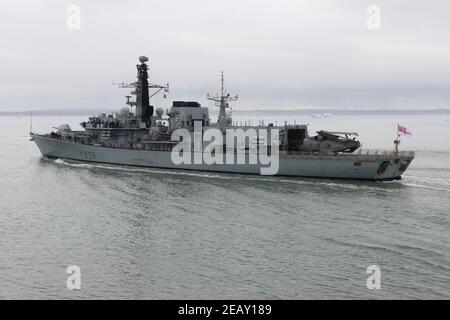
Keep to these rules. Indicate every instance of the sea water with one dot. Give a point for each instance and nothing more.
(167, 234)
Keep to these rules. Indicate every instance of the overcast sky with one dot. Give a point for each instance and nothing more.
(298, 53)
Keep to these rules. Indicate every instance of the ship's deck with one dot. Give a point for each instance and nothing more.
(364, 155)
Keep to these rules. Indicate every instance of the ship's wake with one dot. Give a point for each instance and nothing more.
(408, 181)
(431, 183)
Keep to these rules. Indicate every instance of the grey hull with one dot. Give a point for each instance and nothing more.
(349, 166)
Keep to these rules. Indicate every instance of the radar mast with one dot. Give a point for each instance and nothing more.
(222, 102)
(144, 111)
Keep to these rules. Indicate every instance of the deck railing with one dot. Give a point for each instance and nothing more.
(361, 155)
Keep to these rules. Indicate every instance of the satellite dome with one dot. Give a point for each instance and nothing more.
(125, 111)
(143, 59)
(63, 128)
(159, 112)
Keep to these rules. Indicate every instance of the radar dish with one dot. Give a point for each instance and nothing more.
(143, 59)
(125, 111)
(159, 112)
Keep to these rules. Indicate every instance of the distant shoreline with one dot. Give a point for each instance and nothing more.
(342, 112)
(268, 112)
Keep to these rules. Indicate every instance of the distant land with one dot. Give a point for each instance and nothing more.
(268, 112)
(343, 112)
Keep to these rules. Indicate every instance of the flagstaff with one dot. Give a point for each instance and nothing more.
(400, 131)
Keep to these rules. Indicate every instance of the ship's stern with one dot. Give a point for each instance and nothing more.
(393, 169)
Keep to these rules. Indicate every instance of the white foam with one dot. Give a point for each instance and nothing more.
(224, 176)
(416, 185)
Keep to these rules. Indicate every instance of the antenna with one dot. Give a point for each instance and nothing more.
(222, 82)
(222, 101)
(130, 103)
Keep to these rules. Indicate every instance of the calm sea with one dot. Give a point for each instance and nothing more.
(152, 234)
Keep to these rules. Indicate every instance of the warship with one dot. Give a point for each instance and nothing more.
(184, 137)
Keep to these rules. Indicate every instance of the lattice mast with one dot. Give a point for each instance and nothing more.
(222, 102)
